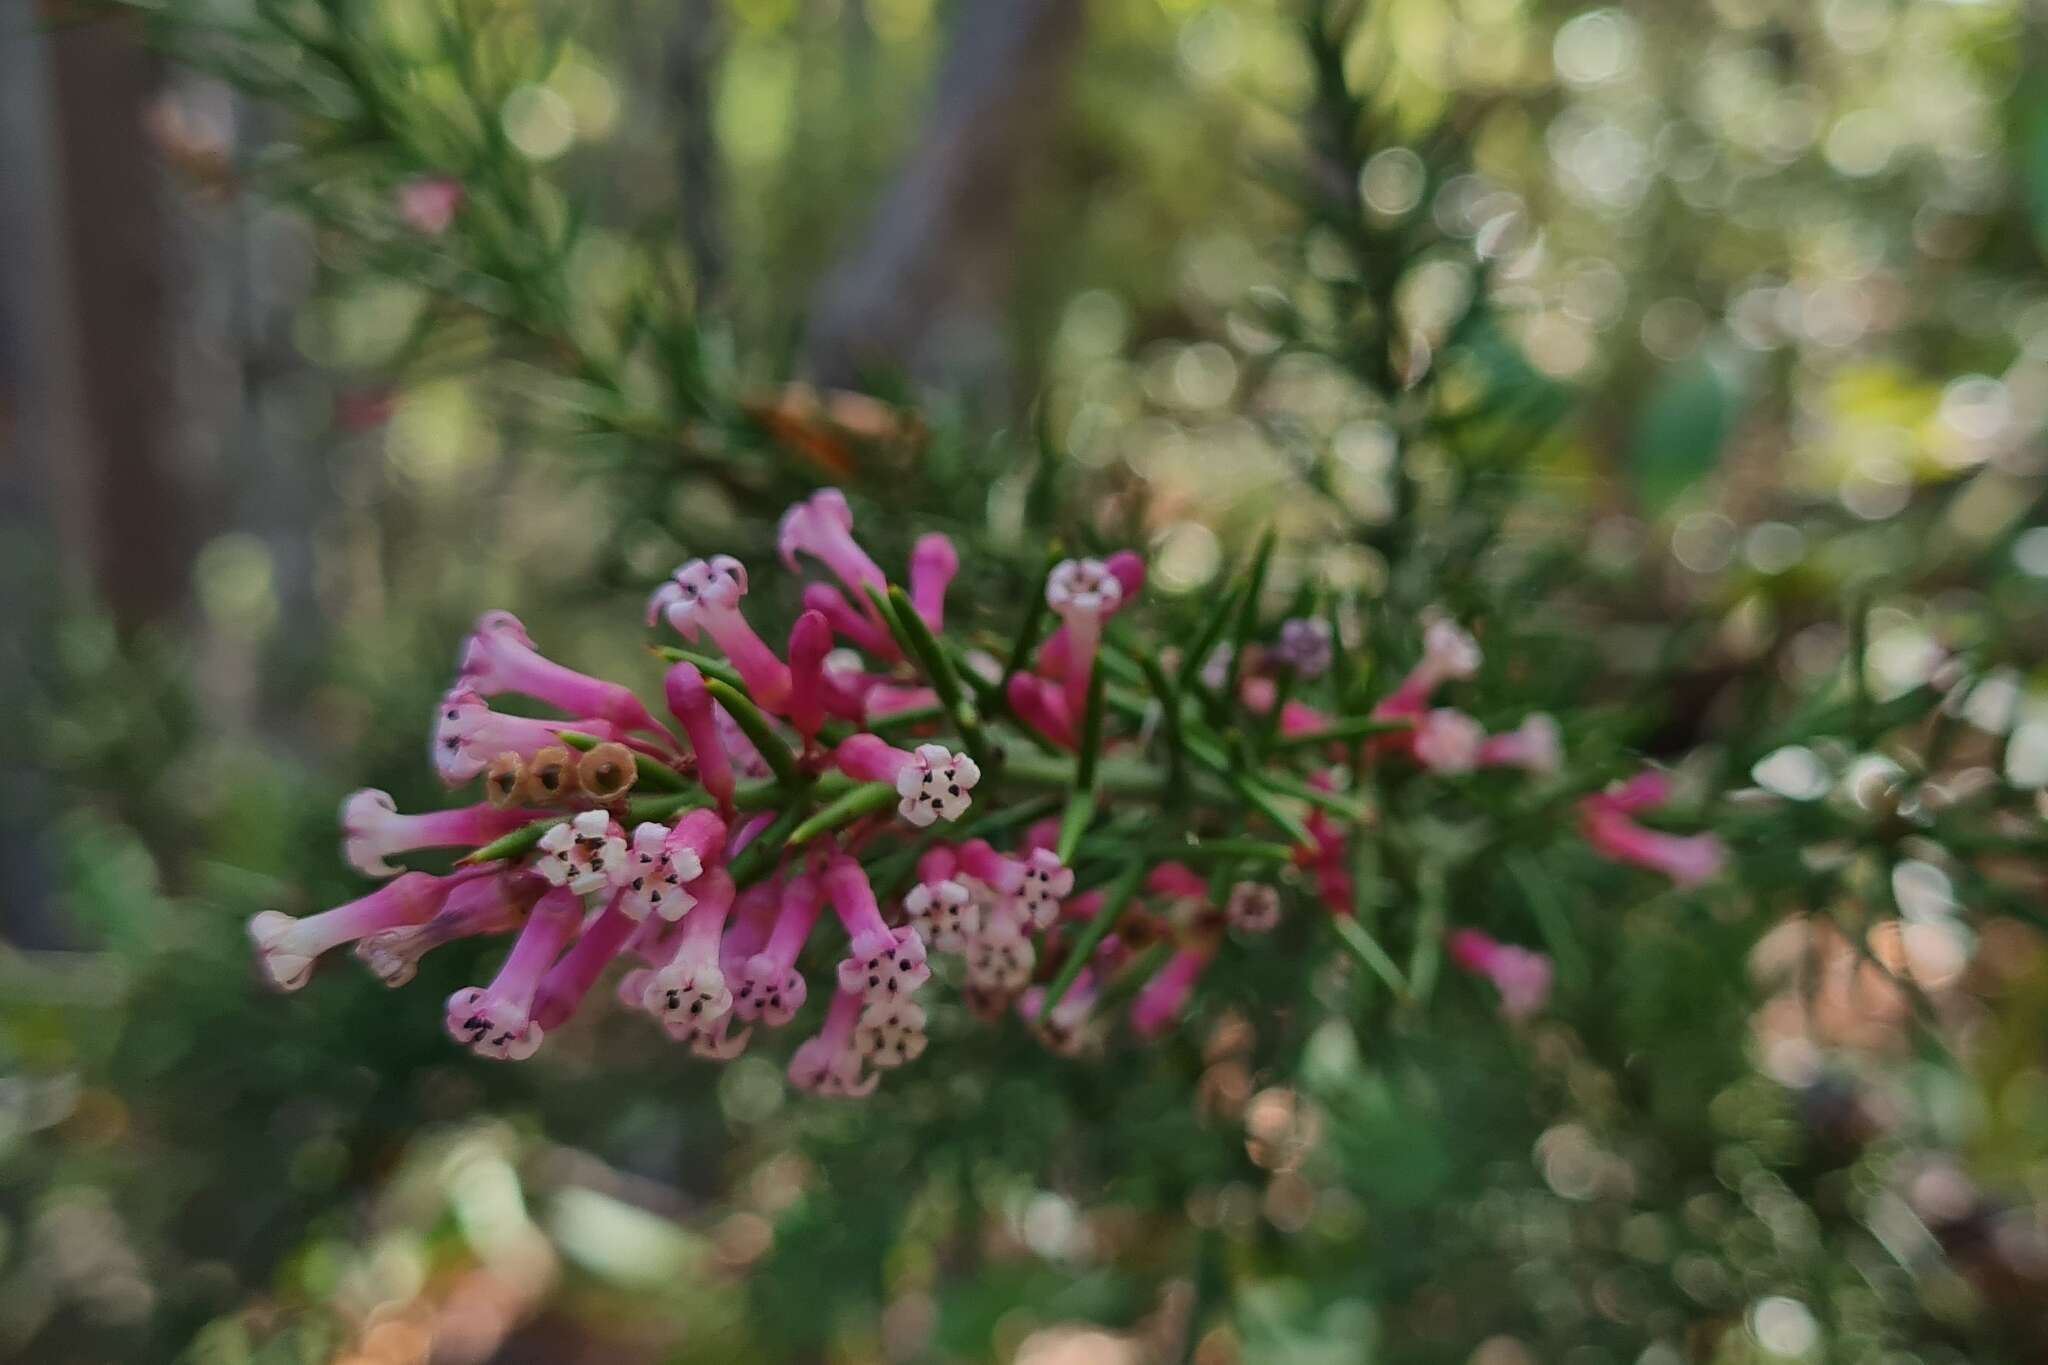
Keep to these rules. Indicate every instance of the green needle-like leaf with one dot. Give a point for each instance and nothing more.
(1097, 929)
(704, 663)
(865, 799)
(760, 733)
(1074, 822)
(1367, 950)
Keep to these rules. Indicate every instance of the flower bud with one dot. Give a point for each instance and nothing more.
(607, 772)
(550, 777)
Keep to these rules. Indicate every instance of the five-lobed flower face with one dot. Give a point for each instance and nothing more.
(935, 785)
(585, 854)
(697, 590)
(1045, 883)
(1083, 587)
(1253, 908)
(658, 874)
(491, 1027)
(943, 913)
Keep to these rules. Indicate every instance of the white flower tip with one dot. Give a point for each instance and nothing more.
(1448, 742)
(769, 993)
(891, 1034)
(1083, 587)
(503, 625)
(661, 599)
(1450, 650)
(366, 855)
(693, 991)
(1544, 744)
(1253, 907)
(284, 965)
(361, 809)
(685, 863)
(935, 785)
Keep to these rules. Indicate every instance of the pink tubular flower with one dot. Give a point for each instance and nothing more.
(1522, 977)
(860, 627)
(1447, 741)
(1647, 790)
(886, 699)
(287, 947)
(882, 963)
(1534, 746)
(662, 861)
(1448, 653)
(1042, 706)
(822, 526)
(691, 985)
(1084, 593)
(428, 203)
(1161, 1000)
(1028, 889)
(481, 905)
(810, 641)
(941, 908)
(499, 657)
(468, 734)
(830, 1063)
(690, 703)
(372, 829)
(585, 854)
(1253, 908)
(704, 596)
(1062, 1029)
(497, 1020)
(569, 980)
(1687, 860)
(771, 989)
(933, 781)
(933, 563)
(1055, 656)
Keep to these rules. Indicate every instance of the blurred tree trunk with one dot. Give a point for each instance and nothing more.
(694, 49)
(924, 293)
(44, 548)
(109, 209)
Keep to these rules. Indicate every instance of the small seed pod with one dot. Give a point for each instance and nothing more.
(550, 778)
(504, 779)
(606, 772)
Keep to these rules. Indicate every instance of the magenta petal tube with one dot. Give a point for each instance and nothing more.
(690, 702)
(933, 563)
(286, 947)
(859, 627)
(499, 657)
(810, 640)
(570, 979)
(1163, 998)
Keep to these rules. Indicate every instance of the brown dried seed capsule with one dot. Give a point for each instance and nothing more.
(504, 779)
(607, 771)
(550, 777)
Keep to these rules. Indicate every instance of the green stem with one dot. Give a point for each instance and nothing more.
(1114, 902)
(866, 799)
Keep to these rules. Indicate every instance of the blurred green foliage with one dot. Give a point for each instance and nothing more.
(1655, 335)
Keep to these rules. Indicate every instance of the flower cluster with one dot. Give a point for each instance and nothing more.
(692, 859)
